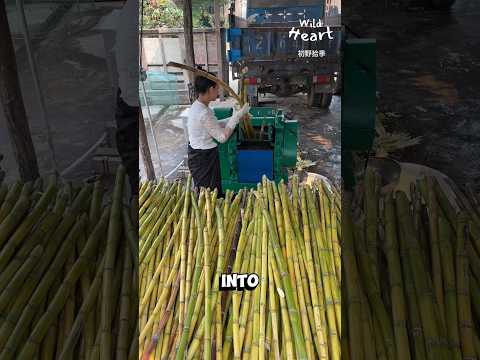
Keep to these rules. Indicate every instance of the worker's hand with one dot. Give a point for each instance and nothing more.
(243, 111)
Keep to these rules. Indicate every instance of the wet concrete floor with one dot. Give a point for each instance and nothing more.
(429, 79)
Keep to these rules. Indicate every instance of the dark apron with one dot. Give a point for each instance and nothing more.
(204, 166)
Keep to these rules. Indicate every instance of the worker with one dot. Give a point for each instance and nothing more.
(203, 129)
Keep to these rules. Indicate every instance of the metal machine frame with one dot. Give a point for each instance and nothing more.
(277, 133)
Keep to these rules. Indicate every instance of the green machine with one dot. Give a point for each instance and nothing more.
(243, 162)
(358, 103)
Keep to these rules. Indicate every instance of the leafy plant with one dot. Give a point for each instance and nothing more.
(161, 14)
(165, 13)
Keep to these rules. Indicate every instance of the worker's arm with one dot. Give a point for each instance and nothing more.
(240, 114)
(214, 128)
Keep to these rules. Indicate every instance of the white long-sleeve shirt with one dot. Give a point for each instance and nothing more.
(203, 127)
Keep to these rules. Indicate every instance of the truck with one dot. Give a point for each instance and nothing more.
(270, 53)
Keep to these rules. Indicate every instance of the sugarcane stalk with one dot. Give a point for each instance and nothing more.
(207, 342)
(16, 282)
(131, 235)
(256, 295)
(236, 297)
(449, 287)
(14, 328)
(381, 352)
(195, 284)
(274, 315)
(475, 295)
(317, 307)
(327, 267)
(215, 295)
(247, 298)
(43, 229)
(168, 313)
(152, 242)
(399, 308)
(86, 258)
(10, 200)
(371, 209)
(148, 326)
(158, 212)
(293, 312)
(435, 250)
(113, 234)
(263, 291)
(423, 286)
(368, 330)
(183, 252)
(11, 221)
(60, 331)
(410, 293)
(146, 294)
(463, 290)
(3, 193)
(69, 308)
(25, 227)
(191, 252)
(352, 281)
(134, 346)
(82, 315)
(305, 304)
(122, 345)
(287, 343)
(95, 210)
(289, 234)
(50, 341)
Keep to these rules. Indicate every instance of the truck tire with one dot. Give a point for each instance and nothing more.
(326, 100)
(253, 100)
(442, 4)
(321, 100)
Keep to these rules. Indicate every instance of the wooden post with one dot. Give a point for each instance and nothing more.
(143, 55)
(162, 53)
(225, 65)
(12, 103)
(205, 42)
(188, 36)
(220, 49)
(144, 148)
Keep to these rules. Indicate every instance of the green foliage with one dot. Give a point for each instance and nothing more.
(201, 18)
(164, 13)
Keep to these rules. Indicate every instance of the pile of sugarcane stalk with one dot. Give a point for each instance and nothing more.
(286, 235)
(67, 279)
(411, 267)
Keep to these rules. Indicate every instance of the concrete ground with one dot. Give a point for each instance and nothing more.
(319, 134)
(428, 80)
